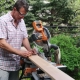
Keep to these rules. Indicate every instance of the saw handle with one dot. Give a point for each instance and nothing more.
(39, 28)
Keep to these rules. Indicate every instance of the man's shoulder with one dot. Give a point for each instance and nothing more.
(22, 20)
(4, 17)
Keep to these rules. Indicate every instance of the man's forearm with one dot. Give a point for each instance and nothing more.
(26, 44)
(6, 46)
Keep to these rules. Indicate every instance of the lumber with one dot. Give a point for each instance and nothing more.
(52, 71)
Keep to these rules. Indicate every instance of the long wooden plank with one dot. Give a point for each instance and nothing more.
(52, 71)
(48, 68)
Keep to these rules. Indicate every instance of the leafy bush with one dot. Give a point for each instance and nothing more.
(70, 54)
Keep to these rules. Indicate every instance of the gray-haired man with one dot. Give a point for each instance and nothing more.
(12, 35)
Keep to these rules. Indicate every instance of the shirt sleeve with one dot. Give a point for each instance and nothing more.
(25, 34)
(2, 29)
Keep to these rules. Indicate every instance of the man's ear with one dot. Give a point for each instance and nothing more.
(14, 8)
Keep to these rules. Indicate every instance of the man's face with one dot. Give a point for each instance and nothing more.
(19, 14)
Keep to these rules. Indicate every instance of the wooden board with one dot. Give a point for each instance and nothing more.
(48, 68)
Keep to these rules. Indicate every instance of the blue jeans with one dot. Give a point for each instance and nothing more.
(9, 75)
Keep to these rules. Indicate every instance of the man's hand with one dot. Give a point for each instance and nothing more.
(25, 53)
(34, 52)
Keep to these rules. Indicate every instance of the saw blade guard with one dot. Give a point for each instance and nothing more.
(39, 37)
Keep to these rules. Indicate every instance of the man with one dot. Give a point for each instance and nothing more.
(12, 35)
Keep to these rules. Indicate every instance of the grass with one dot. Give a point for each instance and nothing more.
(24, 78)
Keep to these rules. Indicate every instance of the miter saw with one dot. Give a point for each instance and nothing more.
(40, 38)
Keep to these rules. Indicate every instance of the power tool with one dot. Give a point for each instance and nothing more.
(40, 38)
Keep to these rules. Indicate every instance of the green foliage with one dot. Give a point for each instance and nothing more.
(62, 10)
(75, 6)
(70, 54)
(29, 18)
(54, 12)
(5, 6)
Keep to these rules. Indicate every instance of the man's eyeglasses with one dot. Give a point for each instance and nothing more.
(21, 13)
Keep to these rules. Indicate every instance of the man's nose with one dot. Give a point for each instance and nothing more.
(21, 16)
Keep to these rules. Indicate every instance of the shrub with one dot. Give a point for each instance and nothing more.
(70, 54)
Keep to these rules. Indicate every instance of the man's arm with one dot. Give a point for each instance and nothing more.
(6, 46)
(26, 44)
